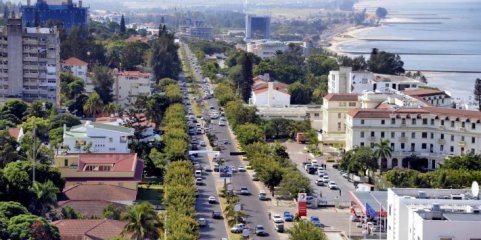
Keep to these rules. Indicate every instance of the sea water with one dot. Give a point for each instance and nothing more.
(430, 35)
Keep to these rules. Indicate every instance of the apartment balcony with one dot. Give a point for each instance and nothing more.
(462, 129)
(426, 154)
(462, 143)
(402, 139)
(442, 141)
(372, 139)
(30, 75)
(442, 127)
(30, 59)
(30, 41)
(30, 67)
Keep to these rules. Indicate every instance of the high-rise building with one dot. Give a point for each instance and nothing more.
(29, 62)
(258, 27)
(45, 11)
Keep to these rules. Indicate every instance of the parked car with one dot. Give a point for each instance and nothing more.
(262, 195)
(202, 222)
(325, 179)
(198, 173)
(198, 181)
(244, 191)
(288, 217)
(254, 177)
(260, 231)
(241, 169)
(277, 218)
(279, 227)
(216, 215)
(332, 185)
(238, 228)
(212, 200)
(320, 182)
(315, 220)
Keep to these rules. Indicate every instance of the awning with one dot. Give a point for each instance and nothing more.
(372, 204)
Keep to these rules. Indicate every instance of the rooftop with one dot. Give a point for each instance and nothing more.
(73, 229)
(81, 130)
(438, 112)
(90, 192)
(472, 217)
(392, 78)
(119, 162)
(134, 74)
(348, 97)
(424, 92)
(89, 208)
(73, 61)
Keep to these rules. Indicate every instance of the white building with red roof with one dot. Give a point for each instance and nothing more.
(267, 93)
(76, 67)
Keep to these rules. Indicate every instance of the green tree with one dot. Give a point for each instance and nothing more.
(123, 29)
(385, 63)
(318, 64)
(300, 94)
(103, 83)
(382, 151)
(142, 222)
(14, 106)
(37, 109)
(415, 162)
(112, 212)
(293, 182)
(45, 196)
(8, 149)
(358, 160)
(11, 209)
(28, 226)
(246, 77)
(67, 119)
(249, 133)
(70, 213)
(111, 108)
(164, 59)
(271, 175)
(471, 162)
(93, 105)
(304, 230)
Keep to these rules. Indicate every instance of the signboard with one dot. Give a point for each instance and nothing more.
(302, 205)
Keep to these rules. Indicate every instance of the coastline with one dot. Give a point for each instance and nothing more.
(345, 37)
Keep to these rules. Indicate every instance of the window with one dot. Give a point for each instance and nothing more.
(382, 134)
(342, 104)
(413, 135)
(403, 134)
(402, 145)
(403, 121)
(413, 121)
(441, 148)
(473, 125)
(452, 124)
(425, 121)
(393, 121)
(452, 138)
(432, 121)
(352, 104)
(339, 126)
(362, 134)
(442, 135)
(432, 135)
(111, 140)
(462, 138)
(442, 122)
(382, 122)
(392, 146)
(424, 135)
(413, 147)
(362, 144)
(339, 115)
(463, 124)
(424, 146)
(372, 134)
(473, 140)
(362, 121)
(316, 114)
(65, 162)
(393, 135)
(451, 149)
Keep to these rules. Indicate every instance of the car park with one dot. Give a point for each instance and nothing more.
(277, 218)
(288, 217)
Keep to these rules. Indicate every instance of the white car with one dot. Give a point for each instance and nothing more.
(320, 182)
(244, 191)
(332, 185)
(221, 123)
(277, 218)
(325, 179)
(212, 200)
(241, 169)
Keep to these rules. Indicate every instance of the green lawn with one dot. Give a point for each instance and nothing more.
(152, 194)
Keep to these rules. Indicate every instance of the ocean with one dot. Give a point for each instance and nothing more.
(441, 37)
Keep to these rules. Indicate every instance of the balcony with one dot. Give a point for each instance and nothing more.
(462, 129)
(442, 127)
(441, 141)
(462, 143)
(402, 139)
(372, 139)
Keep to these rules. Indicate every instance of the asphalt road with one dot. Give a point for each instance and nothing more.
(255, 209)
(297, 155)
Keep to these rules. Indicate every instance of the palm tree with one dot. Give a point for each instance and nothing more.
(93, 105)
(111, 108)
(382, 151)
(142, 222)
(46, 196)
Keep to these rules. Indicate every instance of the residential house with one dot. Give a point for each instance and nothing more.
(267, 93)
(89, 229)
(104, 138)
(76, 67)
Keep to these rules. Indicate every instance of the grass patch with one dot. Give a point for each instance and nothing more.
(151, 193)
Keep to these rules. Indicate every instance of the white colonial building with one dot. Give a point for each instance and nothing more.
(433, 214)
(433, 133)
(334, 110)
(347, 81)
(129, 85)
(104, 138)
(76, 67)
(267, 93)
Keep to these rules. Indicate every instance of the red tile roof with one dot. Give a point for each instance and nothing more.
(73, 61)
(121, 162)
(262, 86)
(134, 74)
(137, 38)
(91, 192)
(137, 177)
(89, 208)
(424, 92)
(14, 132)
(78, 229)
(341, 97)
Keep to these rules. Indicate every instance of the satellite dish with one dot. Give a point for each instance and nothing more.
(475, 189)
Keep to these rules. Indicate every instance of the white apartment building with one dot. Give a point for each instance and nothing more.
(76, 67)
(334, 110)
(265, 48)
(267, 93)
(433, 97)
(29, 62)
(433, 214)
(129, 85)
(433, 133)
(105, 138)
(347, 81)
